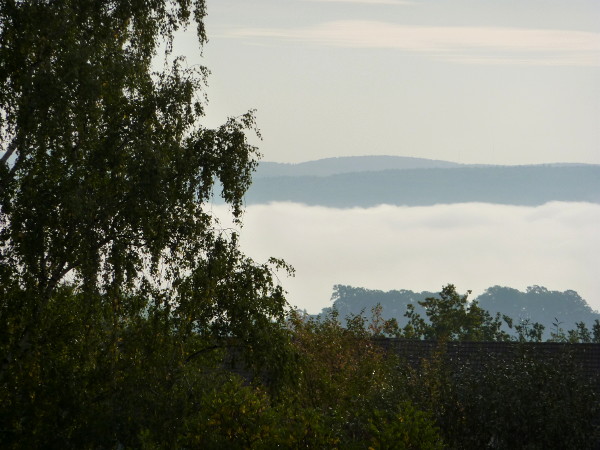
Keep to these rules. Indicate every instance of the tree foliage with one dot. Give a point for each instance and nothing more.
(349, 392)
(113, 272)
(452, 317)
(534, 312)
(541, 305)
(106, 167)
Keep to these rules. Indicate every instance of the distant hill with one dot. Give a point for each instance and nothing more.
(348, 164)
(372, 163)
(515, 185)
(536, 304)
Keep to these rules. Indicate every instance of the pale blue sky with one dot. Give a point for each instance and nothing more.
(479, 81)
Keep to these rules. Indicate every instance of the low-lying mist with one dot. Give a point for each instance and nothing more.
(472, 245)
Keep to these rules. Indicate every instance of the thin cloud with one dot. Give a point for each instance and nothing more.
(474, 45)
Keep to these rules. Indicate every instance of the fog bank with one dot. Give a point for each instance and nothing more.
(472, 245)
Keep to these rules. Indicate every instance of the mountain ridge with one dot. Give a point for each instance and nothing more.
(516, 185)
(372, 163)
(348, 164)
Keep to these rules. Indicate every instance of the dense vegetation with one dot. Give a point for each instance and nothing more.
(338, 388)
(124, 305)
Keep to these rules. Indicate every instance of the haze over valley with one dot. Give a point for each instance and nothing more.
(373, 180)
(474, 245)
(488, 98)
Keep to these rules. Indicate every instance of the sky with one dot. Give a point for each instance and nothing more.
(471, 81)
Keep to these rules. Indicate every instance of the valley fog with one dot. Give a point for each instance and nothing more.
(472, 245)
